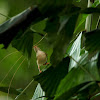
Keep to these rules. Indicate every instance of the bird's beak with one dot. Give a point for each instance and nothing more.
(35, 48)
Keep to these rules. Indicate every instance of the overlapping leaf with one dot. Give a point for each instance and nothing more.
(92, 43)
(17, 25)
(61, 32)
(88, 90)
(64, 36)
(39, 93)
(55, 7)
(50, 79)
(76, 77)
(39, 27)
(24, 43)
(52, 27)
(72, 92)
(12, 90)
(74, 51)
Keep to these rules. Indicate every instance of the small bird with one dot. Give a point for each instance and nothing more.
(41, 57)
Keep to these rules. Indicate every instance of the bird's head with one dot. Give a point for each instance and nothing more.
(36, 48)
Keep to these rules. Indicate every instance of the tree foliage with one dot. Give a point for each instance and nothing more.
(73, 53)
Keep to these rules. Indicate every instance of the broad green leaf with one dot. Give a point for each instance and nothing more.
(24, 43)
(52, 10)
(71, 92)
(39, 93)
(39, 27)
(75, 51)
(88, 90)
(17, 25)
(52, 26)
(50, 79)
(81, 20)
(65, 34)
(76, 77)
(92, 43)
(12, 90)
(4, 10)
(54, 7)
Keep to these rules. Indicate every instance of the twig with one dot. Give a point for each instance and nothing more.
(40, 40)
(24, 89)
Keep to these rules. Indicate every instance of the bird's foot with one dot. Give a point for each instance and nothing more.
(40, 71)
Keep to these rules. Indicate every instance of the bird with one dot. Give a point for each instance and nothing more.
(41, 57)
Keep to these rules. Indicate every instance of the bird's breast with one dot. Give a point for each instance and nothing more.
(41, 58)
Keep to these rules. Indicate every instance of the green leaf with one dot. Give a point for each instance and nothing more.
(52, 26)
(96, 3)
(81, 21)
(24, 43)
(76, 77)
(54, 7)
(50, 79)
(64, 37)
(17, 25)
(71, 92)
(39, 27)
(88, 90)
(74, 51)
(92, 43)
(12, 90)
(39, 93)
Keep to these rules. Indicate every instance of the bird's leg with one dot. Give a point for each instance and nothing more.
(46, 64)
(39, 69)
